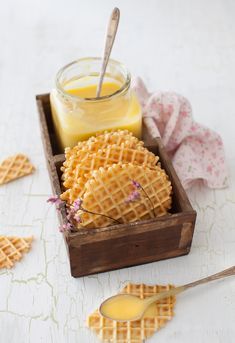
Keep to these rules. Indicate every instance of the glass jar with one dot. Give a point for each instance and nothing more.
(78, 114)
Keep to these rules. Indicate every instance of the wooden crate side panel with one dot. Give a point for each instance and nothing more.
(86, 236)
(78, 271)
(129, 250)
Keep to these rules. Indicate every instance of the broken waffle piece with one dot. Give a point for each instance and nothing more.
(15, 167)
(12, 250)
(156, 317)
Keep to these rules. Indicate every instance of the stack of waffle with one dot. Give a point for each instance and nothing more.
(156, 317)
(103, 172)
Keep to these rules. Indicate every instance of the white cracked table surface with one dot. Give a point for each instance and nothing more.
(185, 46)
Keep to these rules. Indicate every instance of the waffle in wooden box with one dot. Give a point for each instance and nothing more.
(103, 249)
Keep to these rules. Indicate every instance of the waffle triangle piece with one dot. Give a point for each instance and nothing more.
(12, 250)
(155, 318)
(15, 167)
(79, 171)
(108, 189)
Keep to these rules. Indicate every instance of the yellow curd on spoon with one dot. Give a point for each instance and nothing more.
(122, 307)
(127, 307)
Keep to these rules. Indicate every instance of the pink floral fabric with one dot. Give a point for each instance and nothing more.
(197, 152)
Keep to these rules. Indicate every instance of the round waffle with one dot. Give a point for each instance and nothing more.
(101, 140)
(107, 191)
(76, 175)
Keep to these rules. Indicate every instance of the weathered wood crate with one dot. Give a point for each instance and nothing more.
(98, 250)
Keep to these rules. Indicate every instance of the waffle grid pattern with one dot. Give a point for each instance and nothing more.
(15, 167)
(110, 155)
(76, 176)
(137, 331)
(12, 250)
(102, 140)
(108, 189)
(77, 191)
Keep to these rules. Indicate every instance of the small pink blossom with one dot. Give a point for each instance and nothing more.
(135, 195)
(65, 227)
(78, 218)
(136, 184)
(70, 215)
(72, 211)
(77, 204)
(55, 200)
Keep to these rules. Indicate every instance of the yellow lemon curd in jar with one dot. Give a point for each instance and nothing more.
(79, 115)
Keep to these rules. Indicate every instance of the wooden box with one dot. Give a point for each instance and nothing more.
(98, 250)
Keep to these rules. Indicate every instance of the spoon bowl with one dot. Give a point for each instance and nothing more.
(123, 307)
(129, 307)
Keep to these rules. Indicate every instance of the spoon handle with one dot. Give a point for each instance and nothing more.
(110, 36)
(220, 275)
(177, 290)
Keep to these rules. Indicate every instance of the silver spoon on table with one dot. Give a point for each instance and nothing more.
(110, 37)
(127, 307)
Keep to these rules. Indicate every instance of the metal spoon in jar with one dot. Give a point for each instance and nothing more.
(110, 36)
(127, 307)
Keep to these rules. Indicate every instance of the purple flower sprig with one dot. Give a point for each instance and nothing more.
(77, 205)
(135, 195)
(55, 200)
(72, 214)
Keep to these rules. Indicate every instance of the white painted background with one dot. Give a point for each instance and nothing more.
(185, 46)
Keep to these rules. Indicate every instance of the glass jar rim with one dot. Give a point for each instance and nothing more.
(121, 90)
